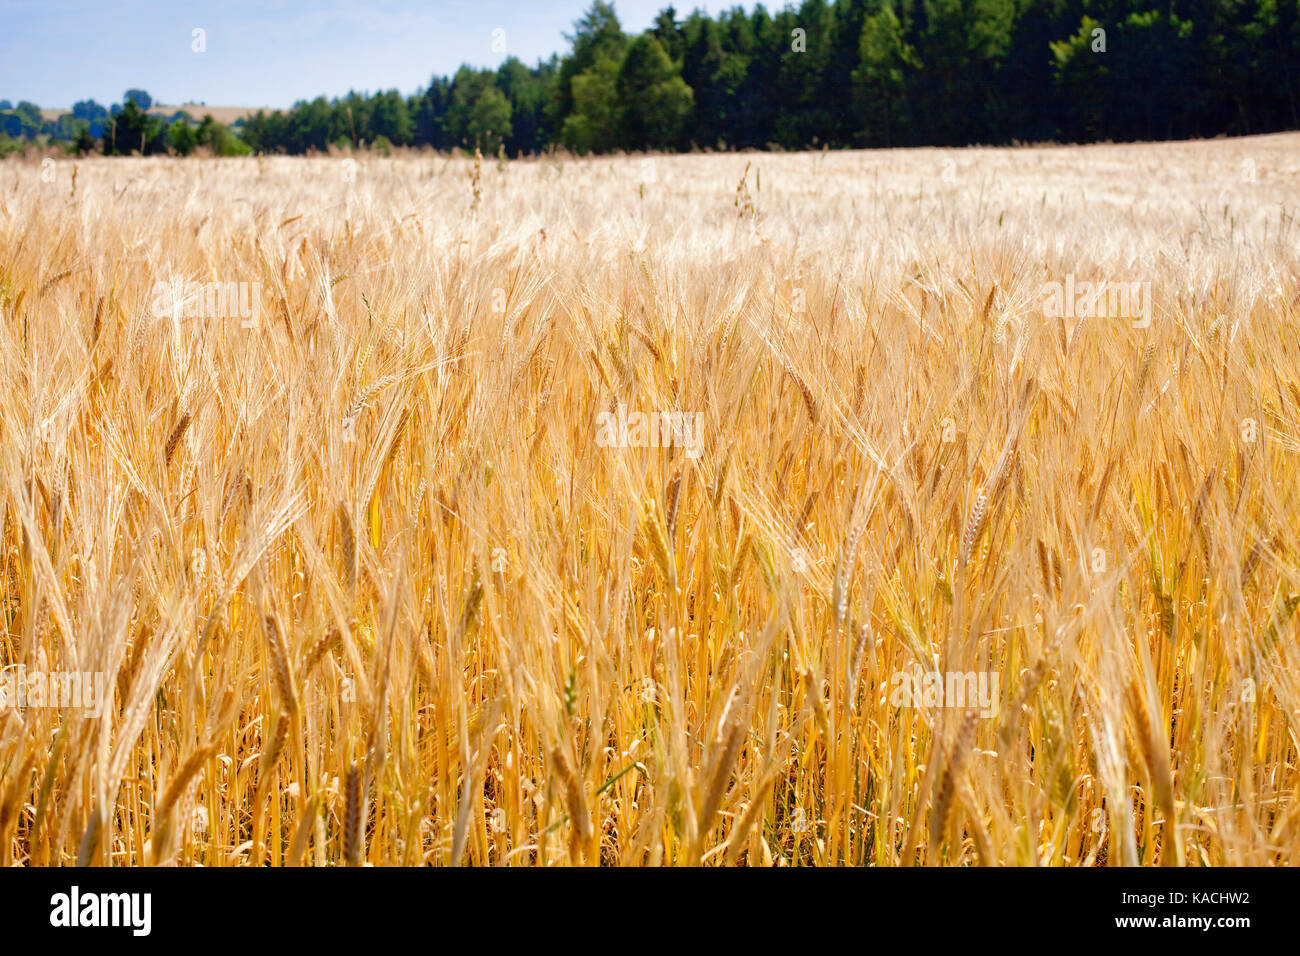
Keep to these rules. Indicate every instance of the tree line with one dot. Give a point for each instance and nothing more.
(852, 73)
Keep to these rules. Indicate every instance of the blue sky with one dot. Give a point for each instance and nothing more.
(273, 52)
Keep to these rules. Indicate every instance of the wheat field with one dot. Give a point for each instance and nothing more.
(364, 583)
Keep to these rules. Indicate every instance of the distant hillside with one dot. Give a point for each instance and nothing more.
(226, 115)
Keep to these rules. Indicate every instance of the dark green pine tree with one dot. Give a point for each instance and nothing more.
(654, 101)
